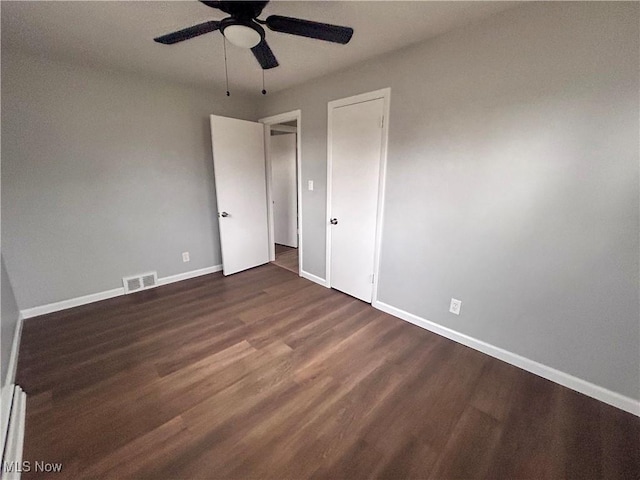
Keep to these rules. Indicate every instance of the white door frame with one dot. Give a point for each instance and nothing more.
(385, 94)
(273, 120)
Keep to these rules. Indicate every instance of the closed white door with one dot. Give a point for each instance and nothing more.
(240, 177)
(284, 191)
(356, 147)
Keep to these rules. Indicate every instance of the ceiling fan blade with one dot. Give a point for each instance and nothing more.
(264, 55)
(188, 33)
(306, 28)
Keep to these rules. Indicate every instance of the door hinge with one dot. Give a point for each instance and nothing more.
(382, 121)
(373, 277)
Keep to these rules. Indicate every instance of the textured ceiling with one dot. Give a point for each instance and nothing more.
(119, 35)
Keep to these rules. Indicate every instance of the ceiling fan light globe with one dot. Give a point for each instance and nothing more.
(242, 36)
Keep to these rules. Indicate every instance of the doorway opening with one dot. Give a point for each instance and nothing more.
(282, 146)
(287, 257)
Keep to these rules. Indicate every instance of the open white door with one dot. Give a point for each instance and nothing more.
(240, 177)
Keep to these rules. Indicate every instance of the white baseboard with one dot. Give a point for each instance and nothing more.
(116, 292)
(7, 390)
(187, 275)
(72, 302)
(314, 278)
(599, 393)
(12, 459)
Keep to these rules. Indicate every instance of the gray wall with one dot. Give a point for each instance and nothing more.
(8, 321)
(104, 175)
(512, 183)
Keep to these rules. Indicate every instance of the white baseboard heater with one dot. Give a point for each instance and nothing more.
(12, 454)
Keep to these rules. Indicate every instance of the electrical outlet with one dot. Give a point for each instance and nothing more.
(455, 306)
(310, 185)
(185, 257)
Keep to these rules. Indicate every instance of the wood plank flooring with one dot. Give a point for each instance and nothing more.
(287, 257)
(266, 375)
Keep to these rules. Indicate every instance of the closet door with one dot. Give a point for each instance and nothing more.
(355, 147)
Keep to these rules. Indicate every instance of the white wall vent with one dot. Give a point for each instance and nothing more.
(140, 282)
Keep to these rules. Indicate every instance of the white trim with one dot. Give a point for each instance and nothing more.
(269, 180)
(15, 437)
(314, 278)
(281, 117)
(381, 193)
(360, 98)
(273, 120)
(187, 275)
(384, 93)
(327, 220)
(587, 388)
(7, 389)
(116, 292)
(72, 302)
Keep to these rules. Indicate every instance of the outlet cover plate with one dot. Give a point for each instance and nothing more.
(185, 257)
(455, 305)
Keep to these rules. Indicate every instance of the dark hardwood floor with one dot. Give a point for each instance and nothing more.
(266, 375)
(287, 257)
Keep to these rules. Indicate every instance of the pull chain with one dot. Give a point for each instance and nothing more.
(264, 92)
(226, 73)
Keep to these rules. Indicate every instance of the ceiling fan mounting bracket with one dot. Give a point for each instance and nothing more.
(242, 10)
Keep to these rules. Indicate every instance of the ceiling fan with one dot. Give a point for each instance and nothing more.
(244, 29)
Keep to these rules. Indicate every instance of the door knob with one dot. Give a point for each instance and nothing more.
(333, 221)
(223, 214)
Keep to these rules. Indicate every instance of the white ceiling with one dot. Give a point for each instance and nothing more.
(119, 35)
